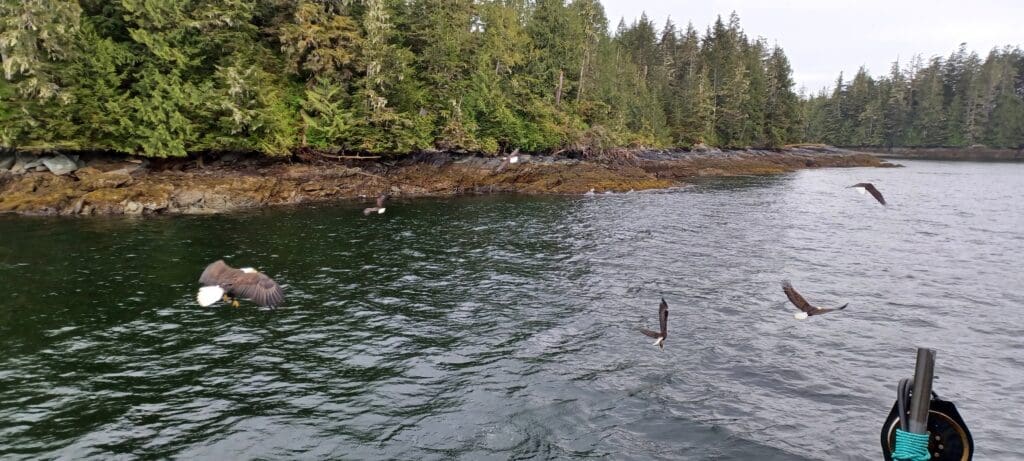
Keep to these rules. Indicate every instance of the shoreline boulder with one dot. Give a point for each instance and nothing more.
(60, 164)
(6, 162)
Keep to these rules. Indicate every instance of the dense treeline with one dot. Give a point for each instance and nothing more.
(958, 101)
(168, 77)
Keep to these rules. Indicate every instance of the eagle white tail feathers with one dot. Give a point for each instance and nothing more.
(209, 295)
(861, 190)
(381, 210)
(800, 315)
(658, 341)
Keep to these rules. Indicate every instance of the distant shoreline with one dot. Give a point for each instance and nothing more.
(104, 184)
(977, 154)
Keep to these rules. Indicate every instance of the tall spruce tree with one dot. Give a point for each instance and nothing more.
(959, 101)
(782, 108)
(169, 77)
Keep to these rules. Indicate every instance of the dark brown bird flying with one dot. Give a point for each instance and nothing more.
(663, 318)
(870, 188)
(508, 160)
(221, 281)
(379, 209)
(802, 304)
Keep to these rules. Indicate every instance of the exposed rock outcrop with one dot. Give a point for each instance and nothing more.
(19, 163)
(974, 153)
(110, 185)
(59, 164)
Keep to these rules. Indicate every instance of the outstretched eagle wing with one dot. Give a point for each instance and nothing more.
(875, 193)
(653, 334)
(820, 311)
(662, 320)
(663, 317)
(259, 288)
(217, 273)
(796, 299)
(872, 190)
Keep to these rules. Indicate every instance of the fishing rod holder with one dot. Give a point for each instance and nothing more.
(921, 397)
(948, 436)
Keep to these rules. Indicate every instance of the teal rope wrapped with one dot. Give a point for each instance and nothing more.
(911, 447)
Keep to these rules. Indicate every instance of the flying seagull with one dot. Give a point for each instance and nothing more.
(223, 282)
(865, 187)
(659, 338)
(802, 304)
(379, 209)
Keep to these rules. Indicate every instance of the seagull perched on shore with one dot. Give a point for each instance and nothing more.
(379, 209)
(222, 282)
(866, 187)
(514, 156)
(802, 304)
(659, 337)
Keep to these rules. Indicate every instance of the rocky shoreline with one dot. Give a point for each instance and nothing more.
(103, 184)
(973, 153)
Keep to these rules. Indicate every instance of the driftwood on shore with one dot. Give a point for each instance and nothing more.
(351, 157)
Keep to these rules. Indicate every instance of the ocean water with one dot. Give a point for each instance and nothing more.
(506, 327)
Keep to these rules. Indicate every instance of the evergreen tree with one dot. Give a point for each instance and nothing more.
(928, 124)
(34, 34)
(1006, 122)
(387, 93)
(503, 48)
(782, 108)
(897, 107)
(755, 56)
(835, 115)
(722, 52)
(169, 77)
(593, 25)
(959, 101)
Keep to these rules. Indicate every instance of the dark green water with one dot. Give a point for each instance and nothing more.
(506, 327)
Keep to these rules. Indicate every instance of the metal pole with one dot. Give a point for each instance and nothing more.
(920, 401)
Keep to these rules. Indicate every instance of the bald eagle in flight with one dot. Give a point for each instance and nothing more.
(223, 282)
(806, 309)
(868, 188)
(659, 336)
(379, 209)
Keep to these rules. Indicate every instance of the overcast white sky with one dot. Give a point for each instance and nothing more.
(823, 37)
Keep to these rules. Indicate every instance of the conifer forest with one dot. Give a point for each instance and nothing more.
(164, 78)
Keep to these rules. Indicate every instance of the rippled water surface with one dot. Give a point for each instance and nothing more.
(506, 327)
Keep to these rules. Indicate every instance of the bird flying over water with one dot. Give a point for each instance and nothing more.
(659, 337)
(222, 282)
(866, 187)
(802, 304)
(379, 209)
